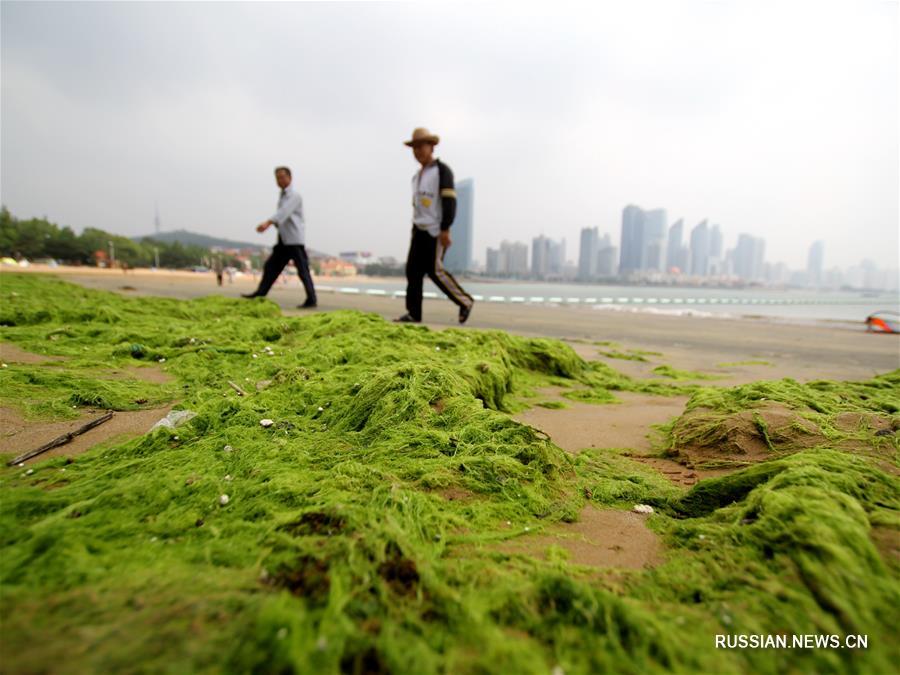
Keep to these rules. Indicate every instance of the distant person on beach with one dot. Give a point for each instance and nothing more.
(218, 268)
(291, 241)
(434, 208)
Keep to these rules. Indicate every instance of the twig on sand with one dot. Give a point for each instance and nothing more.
(240, 391)
(62, 440)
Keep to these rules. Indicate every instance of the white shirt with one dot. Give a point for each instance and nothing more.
(427, 211)
(289, 218)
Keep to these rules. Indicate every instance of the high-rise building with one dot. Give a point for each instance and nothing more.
(492, 262)
(587, 253)
(540, 253)
(673, 247)
(511, 260)
(548, 257)
(715, 242)
(815, 262)
(459, 256)
(632, 241)
(653, 241)
(749, 257)
(606, 261)
(556, 257)
(700, 249)
(516, 255)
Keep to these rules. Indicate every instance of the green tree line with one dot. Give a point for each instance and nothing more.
(37, 238)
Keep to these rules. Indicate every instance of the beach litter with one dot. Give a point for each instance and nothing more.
(174, 419)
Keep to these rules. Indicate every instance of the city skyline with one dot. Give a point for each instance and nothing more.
(793, 143)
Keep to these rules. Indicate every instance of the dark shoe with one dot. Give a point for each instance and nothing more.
(250, 296)
(407, 318)
(464, 313)
(308, 305)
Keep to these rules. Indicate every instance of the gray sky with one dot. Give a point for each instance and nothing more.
(774, 119)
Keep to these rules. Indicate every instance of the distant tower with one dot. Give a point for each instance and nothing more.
(156, 218)
(459, 256)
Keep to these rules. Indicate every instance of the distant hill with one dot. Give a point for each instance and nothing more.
(205, 241)
(196, 239)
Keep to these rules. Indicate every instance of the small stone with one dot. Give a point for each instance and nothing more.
(266, 423)
(228, 478)
(437, 349)
(256, 356)
(224, 499)
(642, 508)
(702, 536)
(3, 365)
(528, 529)
(29, 472)
(162, 360)
(321, 408)
(21, 463)
(227, 448)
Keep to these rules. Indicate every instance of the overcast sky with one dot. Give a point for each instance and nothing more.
(779, 119)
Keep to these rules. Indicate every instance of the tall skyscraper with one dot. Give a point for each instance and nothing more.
(459, 256)
(653, 241)
(540, 254)
(815, 262)
(700, 249)
(749, 257)
(587, 253)
(715, 242)
(632, 240)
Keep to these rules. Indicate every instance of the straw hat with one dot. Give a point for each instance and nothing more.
(422, 135)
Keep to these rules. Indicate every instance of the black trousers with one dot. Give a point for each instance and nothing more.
(282, 254)
(425, 257)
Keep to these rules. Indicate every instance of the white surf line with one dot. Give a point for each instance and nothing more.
(557, 300)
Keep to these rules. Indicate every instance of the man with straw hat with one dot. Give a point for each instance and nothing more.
(434, 207)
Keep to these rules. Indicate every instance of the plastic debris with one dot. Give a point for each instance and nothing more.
(174, 419)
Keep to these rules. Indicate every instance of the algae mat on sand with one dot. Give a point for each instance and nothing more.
(337, 550)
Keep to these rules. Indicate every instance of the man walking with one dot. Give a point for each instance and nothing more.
(291, 240)
(434, 208)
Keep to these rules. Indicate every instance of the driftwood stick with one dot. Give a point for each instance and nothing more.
(240, 391)
(62, 440)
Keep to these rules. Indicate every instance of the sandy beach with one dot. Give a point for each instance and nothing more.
(696, 343)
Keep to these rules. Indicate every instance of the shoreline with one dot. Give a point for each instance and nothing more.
(698, 307)
(688, 341)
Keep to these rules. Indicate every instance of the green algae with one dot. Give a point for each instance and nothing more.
(676, 374)
(336, 551)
